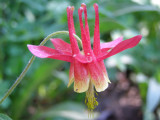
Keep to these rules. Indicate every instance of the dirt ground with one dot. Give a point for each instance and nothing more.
(121, 101)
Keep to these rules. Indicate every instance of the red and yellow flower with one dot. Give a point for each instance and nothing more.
(87, 69)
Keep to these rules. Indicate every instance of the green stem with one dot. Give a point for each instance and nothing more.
(18, 80)
(59, 32)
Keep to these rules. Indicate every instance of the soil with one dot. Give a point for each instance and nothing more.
(121, 101)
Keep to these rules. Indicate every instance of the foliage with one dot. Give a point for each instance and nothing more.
(4, 117)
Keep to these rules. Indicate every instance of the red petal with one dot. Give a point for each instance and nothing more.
(45, 52)
(86, 22)
(96, 44)
(106, 46)
(62, 46)
(102, 66)
(72, 21)
(129, 43)
(73, 41)
(85, 41)
(71, 74)
(81, 81)
(83, 59)
(98, 76)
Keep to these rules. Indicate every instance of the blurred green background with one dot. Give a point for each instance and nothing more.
(43, 93)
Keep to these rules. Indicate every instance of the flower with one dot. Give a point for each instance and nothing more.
(87, 69)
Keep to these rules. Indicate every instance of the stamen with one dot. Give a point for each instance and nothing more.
(72, 8)
(83, 5)
(90, 100)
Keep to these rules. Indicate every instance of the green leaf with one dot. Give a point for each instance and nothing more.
(39, 76)
(67, 110)
(157, 75)
(62, 76)
(143, 88)
(110, 24)
(106, 25)
(4, 117)
(135, 8)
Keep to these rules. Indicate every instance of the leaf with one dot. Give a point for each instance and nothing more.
(38, 76)
(4, 117)
(110, 24)
(62, 76)
(157, 75)
(106, 25)
(153, 95)
(135, 8)
(39, 6)
(69, 110)
(143, 88)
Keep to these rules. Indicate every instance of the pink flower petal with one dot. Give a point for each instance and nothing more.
(126, 44)
(62, 46)
(98, 75)
(71, 29)
(86, 22)
(45, 52)
(81, 77)
(83, 59)
(102, 66)
(71, 74)
(85, 39)
(106, 46)
(96, 43)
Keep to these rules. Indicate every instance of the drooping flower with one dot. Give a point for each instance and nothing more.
(87, 69)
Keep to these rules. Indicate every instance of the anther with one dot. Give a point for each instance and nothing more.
(83, 5)
(72, 8)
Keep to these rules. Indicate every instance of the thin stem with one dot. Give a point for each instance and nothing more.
(59, 32)
(79, 39)
(18, 80)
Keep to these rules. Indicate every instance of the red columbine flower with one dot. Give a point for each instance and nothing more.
(87, 69)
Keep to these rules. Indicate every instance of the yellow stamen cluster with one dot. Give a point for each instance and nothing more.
(90, 100)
